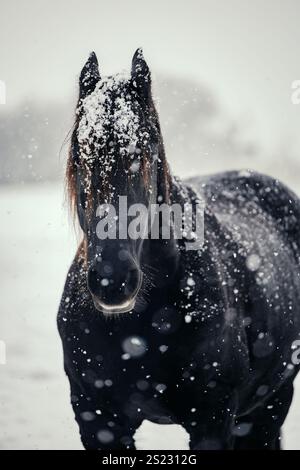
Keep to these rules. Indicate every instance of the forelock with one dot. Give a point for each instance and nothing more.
(107, 117)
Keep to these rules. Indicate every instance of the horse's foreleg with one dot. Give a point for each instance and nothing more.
(102, 423)
(211, 423)
(263, 424)
(105, 432)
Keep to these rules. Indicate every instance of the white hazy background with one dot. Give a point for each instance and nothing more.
(222, 76)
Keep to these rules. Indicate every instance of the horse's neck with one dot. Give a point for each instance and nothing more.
(180, 193)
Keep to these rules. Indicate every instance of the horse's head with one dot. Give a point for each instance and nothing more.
(116, 150)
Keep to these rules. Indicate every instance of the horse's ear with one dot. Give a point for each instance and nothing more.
(89, 76)
(140, 74)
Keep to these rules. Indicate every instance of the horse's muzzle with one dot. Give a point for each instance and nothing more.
(115, 292)
(126, 307)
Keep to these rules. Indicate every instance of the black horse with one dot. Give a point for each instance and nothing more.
(204, 338)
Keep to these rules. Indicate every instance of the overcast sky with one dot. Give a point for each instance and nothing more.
(246, 51)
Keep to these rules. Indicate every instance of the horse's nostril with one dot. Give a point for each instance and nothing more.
(106, 269)
(121, 285)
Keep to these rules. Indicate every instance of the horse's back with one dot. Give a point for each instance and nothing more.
(236, 197)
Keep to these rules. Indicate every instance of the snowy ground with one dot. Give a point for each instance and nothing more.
(36, 248)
